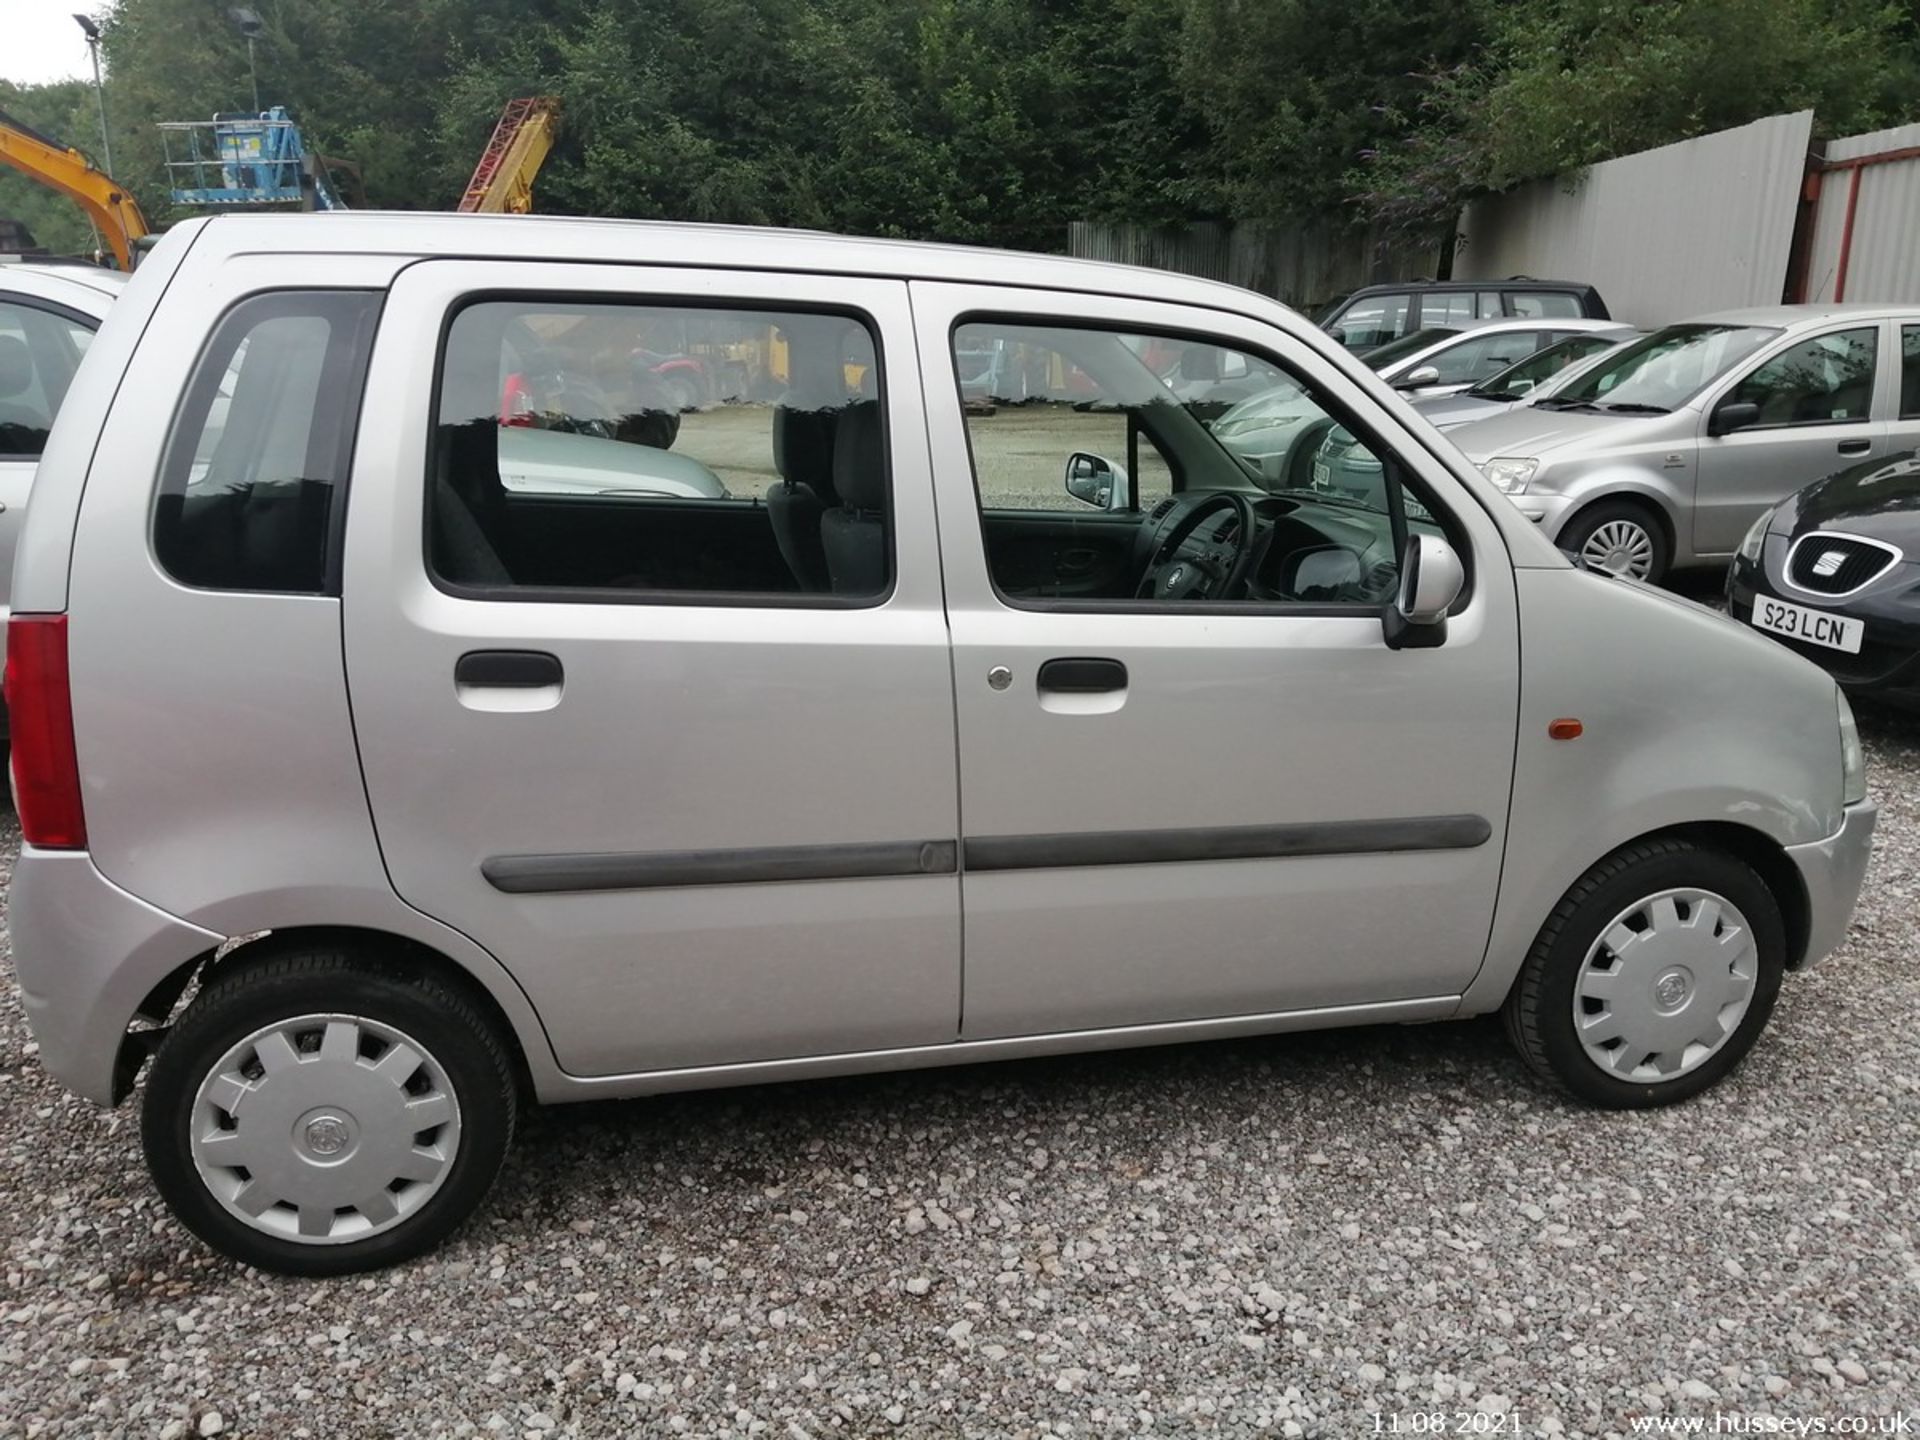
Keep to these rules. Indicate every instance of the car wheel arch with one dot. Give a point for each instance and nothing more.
(168, 999)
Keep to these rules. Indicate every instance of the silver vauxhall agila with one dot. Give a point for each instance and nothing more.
(919, 682)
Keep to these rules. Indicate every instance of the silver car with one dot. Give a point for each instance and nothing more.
(1666, 452)
(367, 798)
(1533, 378)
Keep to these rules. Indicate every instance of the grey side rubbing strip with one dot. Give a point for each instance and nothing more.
(649, 870)
(1238, 842)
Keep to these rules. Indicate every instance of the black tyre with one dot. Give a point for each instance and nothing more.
(1652, 978)
(1622, 536)
(317, 1113)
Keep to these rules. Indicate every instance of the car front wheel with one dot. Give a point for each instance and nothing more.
(316, 1113)
(1622, 538)
(1652, 978)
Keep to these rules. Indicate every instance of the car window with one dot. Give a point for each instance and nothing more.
(254, 474)
(1825, 380)
(39, 352)
(1664, 369)
(1447, 308)
(1406, 345)
(1529, 374)
(1329, 524)
(1543, 305)
(651, 452)
(1491, 306)
(1374, 320)
(1479, 357)
(1910, 372)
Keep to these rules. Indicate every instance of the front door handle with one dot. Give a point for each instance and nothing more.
(508, 669)
(1855, 447)
(1083, 676)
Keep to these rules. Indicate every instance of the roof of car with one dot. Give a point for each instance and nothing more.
(1516, 282)
(551, 237)
(85, 287)
(1783, 316)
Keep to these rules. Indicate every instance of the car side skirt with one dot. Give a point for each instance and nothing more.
(564, 1088)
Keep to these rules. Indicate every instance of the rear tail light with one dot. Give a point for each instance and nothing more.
(46, 772)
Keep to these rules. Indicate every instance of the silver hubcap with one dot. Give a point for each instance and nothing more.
(1665, 985)
(1621, 546)
(325, 1128)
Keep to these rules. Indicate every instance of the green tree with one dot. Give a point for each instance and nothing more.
(1566, 83)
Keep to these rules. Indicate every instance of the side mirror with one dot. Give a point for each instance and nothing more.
(1096, 480)
(1431, 579)
(1732, 416)
(1338, 335)
(1416, 379)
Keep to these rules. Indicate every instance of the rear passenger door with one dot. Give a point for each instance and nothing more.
(696, 793)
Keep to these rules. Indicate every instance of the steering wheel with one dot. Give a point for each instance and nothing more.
(1214, 569)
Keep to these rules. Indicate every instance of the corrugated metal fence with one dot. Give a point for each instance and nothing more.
(1306, 266)
(1866, 219)
(1706, 224)
(1748, 216)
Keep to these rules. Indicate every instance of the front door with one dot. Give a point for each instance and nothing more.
(1819, 413)
(1191, 793)
(655, 703)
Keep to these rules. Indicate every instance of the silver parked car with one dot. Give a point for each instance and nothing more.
(1667, 451)
(366, 797)
(1533, 378)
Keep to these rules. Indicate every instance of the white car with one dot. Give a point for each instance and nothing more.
(1278, 431)
(1476, 352)
(48, 313)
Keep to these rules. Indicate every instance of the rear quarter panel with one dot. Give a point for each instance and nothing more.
(1689, 718)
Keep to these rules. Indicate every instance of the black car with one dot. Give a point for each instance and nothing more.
(1375, 314)
(1833, 572)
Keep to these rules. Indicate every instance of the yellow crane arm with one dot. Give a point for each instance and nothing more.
(60, 167)
(503, 180)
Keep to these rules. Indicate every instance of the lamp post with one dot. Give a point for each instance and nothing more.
(249, 24)
(99, 91)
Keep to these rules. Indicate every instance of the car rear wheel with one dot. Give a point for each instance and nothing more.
(1652, 978)
(316, 1113)
(1622, 538)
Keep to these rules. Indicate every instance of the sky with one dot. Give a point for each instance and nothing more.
(39, 41)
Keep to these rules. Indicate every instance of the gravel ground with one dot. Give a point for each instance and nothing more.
(1286, 1236)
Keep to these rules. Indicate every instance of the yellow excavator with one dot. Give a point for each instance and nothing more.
(112, 210)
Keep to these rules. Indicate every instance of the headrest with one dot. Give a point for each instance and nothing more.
(16, 365)
(860, 457)
(803, 448)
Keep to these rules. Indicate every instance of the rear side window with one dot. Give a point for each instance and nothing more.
(253, 486)
(1544, 305)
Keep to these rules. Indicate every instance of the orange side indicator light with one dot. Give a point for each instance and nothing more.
(1565, 729)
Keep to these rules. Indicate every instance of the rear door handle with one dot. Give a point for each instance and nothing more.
(1855, 447)
(508, 669)
(1083, 676)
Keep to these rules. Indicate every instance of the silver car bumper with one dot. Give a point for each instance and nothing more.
(86, 953)
(1832, 870)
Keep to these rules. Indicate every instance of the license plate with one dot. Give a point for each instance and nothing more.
(1322, 474)
(1812, 627)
